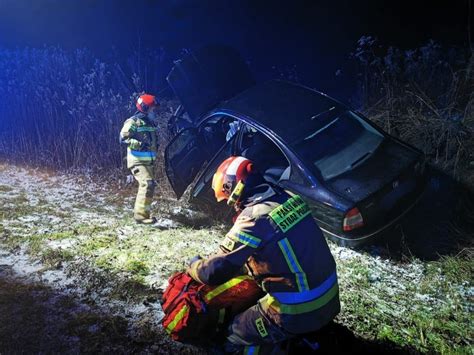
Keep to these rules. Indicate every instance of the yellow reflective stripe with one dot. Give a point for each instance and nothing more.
(145, 159)
(176, 319)
(142, 158)
(302, 307)
(225, 286)
(135, 159)
(235, 195)
(294, 264)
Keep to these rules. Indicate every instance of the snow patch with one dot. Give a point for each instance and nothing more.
(62, 244)
(166, 223)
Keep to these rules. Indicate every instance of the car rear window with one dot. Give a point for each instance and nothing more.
(337, 142)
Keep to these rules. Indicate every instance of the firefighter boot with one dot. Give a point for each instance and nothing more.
(141, 220)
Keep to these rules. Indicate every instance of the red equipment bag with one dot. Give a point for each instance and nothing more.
(195, 312)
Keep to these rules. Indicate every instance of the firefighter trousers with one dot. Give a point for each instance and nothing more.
(251, 332)
(144, 175)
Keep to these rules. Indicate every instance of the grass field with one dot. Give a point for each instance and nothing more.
(72, 236)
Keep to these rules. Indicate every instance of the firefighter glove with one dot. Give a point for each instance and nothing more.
(193, 260)
(134, 144)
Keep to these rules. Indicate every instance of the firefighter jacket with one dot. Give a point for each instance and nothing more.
(140, 136)
(284, 250)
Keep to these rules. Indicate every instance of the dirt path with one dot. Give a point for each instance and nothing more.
(78, 275)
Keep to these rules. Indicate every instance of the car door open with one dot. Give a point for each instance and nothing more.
(184, 156)
(193, 148)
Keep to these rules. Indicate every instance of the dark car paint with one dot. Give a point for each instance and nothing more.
(330, 200)
(278, 104)
(382, 167)
(328, 205)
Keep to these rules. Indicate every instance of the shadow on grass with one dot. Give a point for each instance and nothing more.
(338, 339)
(37, 319)
(442, 223)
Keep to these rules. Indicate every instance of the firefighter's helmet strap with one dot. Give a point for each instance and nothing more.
(236, 194)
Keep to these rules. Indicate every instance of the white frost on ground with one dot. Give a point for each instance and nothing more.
(30, 219)
(62, 243)
(398, 290)
(166, 223)
(62, 201)
(67, 285)
(382, 270)
(66, 202)
(20, 263)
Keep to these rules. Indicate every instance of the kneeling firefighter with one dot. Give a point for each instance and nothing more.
(283, 249)
(139, 133)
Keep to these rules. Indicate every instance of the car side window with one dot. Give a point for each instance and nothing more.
(266, 155)
(215, 131)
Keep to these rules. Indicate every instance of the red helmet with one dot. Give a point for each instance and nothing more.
(228, 182)
(145, 102)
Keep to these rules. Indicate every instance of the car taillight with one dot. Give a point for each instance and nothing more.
(353, 220)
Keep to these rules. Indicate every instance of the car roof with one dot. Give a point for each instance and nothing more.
(279, 105)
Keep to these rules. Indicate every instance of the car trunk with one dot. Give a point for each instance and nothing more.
(203, 78)
(382, 187)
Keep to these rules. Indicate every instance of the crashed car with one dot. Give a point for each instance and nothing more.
(357, 179)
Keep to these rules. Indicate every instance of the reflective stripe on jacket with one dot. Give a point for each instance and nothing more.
(286, 253)
(139, 133)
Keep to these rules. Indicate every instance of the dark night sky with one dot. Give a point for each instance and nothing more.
(316, 36)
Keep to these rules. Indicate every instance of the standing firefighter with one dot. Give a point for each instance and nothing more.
(139, 133)
(283, 249)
